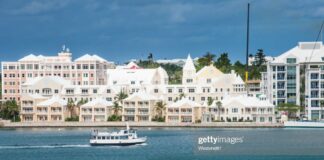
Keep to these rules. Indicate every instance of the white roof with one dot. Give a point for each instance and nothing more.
(125, 76)
(304, 52)
(189, 65)
(246, 101)
(31, 57)
(88, 57)
(185, 102)
(53, 100)
(97, 102)
(142, 96)
(33, 96)
(56, 79)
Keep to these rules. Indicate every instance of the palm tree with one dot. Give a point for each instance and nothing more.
(210, 101)
(159, 108)
(121, 96)
(206, 59)
(70, 106)
(219, 106)
(116, 108)
(181, 95)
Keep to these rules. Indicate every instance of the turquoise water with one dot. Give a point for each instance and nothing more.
(166, 143)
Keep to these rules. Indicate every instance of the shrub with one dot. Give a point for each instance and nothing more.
(114, 118)
(72, 119)
(158, 119)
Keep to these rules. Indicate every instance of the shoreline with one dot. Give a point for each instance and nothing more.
(140, 124)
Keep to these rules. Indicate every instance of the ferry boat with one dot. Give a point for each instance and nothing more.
(304, 124)
(123, 137)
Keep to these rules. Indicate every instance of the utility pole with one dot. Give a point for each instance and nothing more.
(247, 43)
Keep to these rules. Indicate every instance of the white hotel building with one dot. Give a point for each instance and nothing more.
(297, 76)
(92, 78)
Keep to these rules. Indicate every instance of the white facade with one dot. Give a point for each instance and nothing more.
(297, 76)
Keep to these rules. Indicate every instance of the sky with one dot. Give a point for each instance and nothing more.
(119, 30)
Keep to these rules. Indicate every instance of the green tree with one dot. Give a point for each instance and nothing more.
(223, 63)
(239, 68)
(10, 111)
(160, 108)
(209, 101)
(150, 57)
(259, 58)
(181, 95)
(71, 107)
(116, 108)
(206, 60)
(121, 96)
(219, 107)
(292, 109)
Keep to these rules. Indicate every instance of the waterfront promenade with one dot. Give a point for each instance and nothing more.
(141, 124)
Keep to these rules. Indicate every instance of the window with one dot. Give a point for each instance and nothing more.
(169, 99)
(234, 110)
(191, 90)
(91, 66)
(281, 68)
(85, 74)
(84, 91)
(29, 66)
(189, 80)
(85, 66)
(180, 90)
(132, 82)
(170, 90)
(291, 60)
(69, 91)
(95, 90)
(208, 80)
(108, 91)
(156, 91)
(56, 91)
(314, 75)
(22, 66)
(274, 68)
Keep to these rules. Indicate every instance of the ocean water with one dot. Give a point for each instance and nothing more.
(163, 144)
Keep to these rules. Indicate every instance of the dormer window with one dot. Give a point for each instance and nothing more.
(291, 60)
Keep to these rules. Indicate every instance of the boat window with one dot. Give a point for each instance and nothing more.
(99, 137)
(112, 137)
(117, 137)
(103, 137)
(125, 132)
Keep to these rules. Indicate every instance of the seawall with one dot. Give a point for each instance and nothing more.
(142, 124)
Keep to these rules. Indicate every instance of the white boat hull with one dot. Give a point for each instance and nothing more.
(296, 124)
(119, 142)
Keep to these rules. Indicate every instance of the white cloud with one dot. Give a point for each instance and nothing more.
(36, 7)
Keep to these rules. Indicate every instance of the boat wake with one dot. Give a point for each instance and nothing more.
(45, 146)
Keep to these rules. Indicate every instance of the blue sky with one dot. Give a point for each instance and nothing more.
(126, 29)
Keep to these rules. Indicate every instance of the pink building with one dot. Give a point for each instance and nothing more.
(85, 70)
